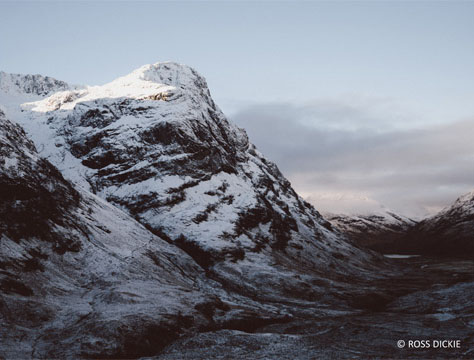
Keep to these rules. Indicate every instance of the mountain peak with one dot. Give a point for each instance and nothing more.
(466, 197)
(164, 81)
(154, 144)
(160, 75)
(167, 73)
(463, 206)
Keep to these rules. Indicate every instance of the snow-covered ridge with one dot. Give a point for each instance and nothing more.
(154, 144)
(159, 82)
(30, 84)
(374, 230)
(378, 218)
(463, 205)
(448, 233)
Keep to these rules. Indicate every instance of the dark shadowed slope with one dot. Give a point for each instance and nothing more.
(448, 233)
(379, 231)
(79, 277)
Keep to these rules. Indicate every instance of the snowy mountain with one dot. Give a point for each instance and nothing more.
(448, 233)
(30, 85)
(139, 219)
(154, 144)
(380, 231)
(78, 277)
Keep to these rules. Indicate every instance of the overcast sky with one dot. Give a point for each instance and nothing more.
(359, 103)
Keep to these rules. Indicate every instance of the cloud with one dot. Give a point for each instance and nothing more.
(357, 152)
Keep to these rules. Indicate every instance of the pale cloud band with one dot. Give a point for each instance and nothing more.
(347, 159)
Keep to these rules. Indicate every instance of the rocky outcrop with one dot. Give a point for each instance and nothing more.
(78, 277)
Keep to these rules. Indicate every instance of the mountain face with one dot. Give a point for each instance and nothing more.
(448, 233)
(222, 240)
(154, 144)
(381, 231)
(30, 85)
(78, 277)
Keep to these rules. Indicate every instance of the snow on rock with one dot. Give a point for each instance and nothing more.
(154, 144)
(221, 240)
(33, 85)
(80, 278)
(377, 230)
(448, 233)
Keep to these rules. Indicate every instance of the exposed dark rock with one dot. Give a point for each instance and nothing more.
(227, 243)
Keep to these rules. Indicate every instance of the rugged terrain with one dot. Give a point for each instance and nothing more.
(379, 231)
(225, 240)
(79, 277)
(139, 221)
(154, 144)
(450, 233)
(430, 300)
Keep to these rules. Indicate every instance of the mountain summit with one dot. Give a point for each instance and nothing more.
(154, 144)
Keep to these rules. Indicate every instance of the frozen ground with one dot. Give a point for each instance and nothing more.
(430, 300)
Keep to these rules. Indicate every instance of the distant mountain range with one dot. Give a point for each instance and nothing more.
(450, 233)
(377, 231)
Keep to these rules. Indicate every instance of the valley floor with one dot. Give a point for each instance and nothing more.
(430, 299)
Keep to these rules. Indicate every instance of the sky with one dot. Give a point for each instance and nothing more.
(360, 104)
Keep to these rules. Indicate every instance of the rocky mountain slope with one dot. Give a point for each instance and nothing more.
(379, 231)
(30, 85)
(448, 233)
(78, 277)
(154, 144)
(224, 251)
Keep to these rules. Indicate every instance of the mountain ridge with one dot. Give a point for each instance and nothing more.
(166, 155)
(447, 233)
(378, 231)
